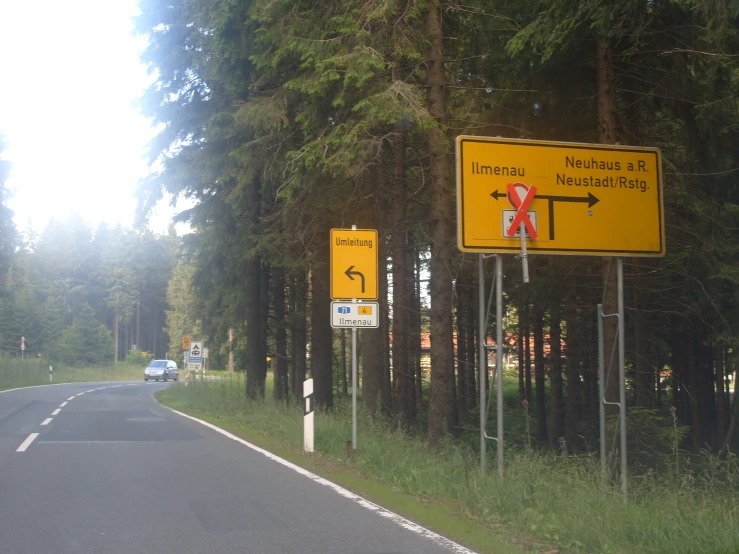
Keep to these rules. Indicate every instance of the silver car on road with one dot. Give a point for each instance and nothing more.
(161, 369)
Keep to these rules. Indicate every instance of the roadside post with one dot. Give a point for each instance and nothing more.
(354, 263)
(23, 346)
(567, 199)
(308, 409)
(51, 374)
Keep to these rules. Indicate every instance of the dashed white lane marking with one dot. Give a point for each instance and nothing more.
(63, 404)
(91, 390)
(379, 510)
(47, 421)
(26, 443)
(70, 398)
(56, 412)
(80, 394)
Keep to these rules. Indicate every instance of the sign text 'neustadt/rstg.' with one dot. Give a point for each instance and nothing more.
(589, 198)
(354, 264)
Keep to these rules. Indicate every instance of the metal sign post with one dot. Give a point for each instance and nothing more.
(484, 315)
(354, 386)
(585, 199)
(604, 377)
(354, 263)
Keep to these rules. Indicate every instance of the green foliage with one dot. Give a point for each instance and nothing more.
(138, 358)
(553, 498)
(85, 342)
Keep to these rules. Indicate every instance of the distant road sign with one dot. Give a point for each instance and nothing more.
(354, 264)
(196, 352)
(185, 343)
(589, 199)
(350, 314)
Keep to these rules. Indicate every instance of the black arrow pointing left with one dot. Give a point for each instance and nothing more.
(349, 274)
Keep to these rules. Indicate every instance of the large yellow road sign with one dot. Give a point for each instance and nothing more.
(354, 264)
(579, 198)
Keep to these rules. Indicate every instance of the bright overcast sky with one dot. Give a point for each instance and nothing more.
(69, 74)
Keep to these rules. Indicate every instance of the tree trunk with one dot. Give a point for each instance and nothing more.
(734, 409)
(521, 346)
(415, 347)
(230, 349)
(374, 355)
(574, 442)
(441, 401)
(264, 298)
(527, 352)
(720, 396)
(403, 384)
(255, 355)
(461, 319)
(539, 377)
(300, 339)
(321, 364)
(115, 336)
(557, 405)
(644, 376)
(472, 357)
(281, 389)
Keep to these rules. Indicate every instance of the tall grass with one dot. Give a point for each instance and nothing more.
(17, 372)
(554, 498)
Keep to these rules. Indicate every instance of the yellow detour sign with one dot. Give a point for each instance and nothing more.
(354, 264)
(185, 343)
(570, 198)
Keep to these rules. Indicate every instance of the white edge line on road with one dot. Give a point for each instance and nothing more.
(70, 398)
(392, 516)
(63, 404)
(26, 443)
(56, 385)
(47, 421)
(56, 412)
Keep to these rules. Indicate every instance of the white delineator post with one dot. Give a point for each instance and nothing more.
(308, 409)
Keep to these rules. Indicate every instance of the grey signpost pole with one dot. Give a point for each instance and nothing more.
(498, 360)
(499, 354)
(483, 356)
(354, 386)
(604, 375)
(622, 374)
(601, 400)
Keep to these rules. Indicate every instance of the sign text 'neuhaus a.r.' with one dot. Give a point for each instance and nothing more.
(590, 198)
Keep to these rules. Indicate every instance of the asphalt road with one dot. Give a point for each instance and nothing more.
(103, 468)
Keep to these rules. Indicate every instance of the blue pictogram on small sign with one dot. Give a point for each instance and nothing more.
(344, 310)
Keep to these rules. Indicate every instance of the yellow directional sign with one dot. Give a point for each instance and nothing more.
(354, 264)
(185, 343)
(570, 198)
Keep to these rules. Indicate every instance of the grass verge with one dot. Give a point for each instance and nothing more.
(445, 516)
(553, 498)
(16, 373)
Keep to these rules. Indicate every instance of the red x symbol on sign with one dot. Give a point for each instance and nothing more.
(521, 203)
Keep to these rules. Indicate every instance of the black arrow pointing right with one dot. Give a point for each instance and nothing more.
(590, 200)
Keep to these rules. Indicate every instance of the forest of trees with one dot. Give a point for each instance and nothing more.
(282, 120)
(72, 290)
